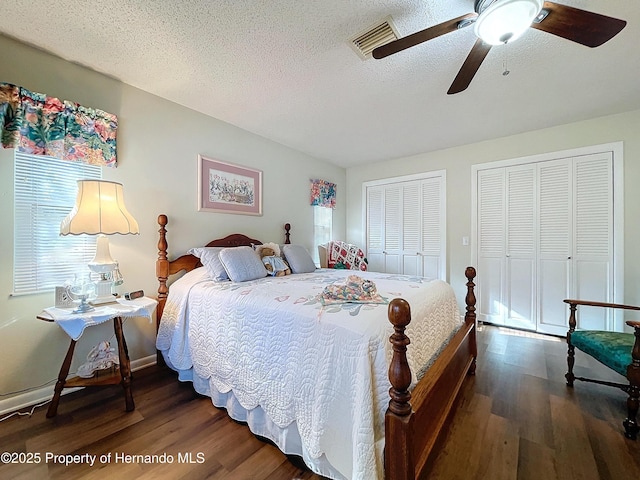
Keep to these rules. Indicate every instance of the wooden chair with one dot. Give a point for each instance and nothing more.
(618, 351)
(322, 255)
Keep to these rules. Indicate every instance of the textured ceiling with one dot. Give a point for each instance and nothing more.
(284, 69)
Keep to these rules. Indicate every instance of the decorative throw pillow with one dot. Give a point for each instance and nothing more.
(242, 264)
(299, 259)
(209, 257)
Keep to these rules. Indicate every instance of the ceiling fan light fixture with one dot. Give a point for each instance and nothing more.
(505, 20)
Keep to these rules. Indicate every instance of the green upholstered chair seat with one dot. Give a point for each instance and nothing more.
(610, 348)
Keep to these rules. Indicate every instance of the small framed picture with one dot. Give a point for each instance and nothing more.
(63, 299)
(228, 188)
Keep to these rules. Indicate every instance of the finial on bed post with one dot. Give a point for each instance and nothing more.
(399, 372)
(162, 267)
(287, 228)
(399, 444)
(470, 315)
(470, 299)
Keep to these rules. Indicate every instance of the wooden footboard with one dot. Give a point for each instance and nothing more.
(414, 421)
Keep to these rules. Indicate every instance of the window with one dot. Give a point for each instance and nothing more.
(44, 193)
(322, 228)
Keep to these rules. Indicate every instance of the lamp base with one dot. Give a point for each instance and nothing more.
(103, 300)
(103, 292)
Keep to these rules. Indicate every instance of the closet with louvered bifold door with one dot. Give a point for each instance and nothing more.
(545, 231)
(405, 225)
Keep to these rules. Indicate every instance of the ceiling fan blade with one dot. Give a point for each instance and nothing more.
(469, 67)
(587, 28)
(420, 37)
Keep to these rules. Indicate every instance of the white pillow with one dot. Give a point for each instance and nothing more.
(242, 264)
(210, 260)
(299, 259)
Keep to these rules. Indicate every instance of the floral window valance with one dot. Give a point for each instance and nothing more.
(39, 125)
(323, 193)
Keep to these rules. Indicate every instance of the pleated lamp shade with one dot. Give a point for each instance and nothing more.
(99, 209)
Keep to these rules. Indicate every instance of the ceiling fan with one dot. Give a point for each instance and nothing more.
(501, 21)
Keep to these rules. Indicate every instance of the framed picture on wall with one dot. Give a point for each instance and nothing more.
(228, 188)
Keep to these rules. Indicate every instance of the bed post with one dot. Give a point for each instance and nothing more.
(287, 228)
(399, 464)
(470, 315)
(162, 267)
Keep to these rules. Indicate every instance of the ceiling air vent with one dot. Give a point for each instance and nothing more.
(375, 36)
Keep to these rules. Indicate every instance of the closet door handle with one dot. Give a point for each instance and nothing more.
(568, 258)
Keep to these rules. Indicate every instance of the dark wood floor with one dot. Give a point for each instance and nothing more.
(516, 420)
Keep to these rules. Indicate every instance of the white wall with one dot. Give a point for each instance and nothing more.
(158, 144)
(458, 161)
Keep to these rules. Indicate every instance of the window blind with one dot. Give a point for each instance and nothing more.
(44, 193)
(322, 226)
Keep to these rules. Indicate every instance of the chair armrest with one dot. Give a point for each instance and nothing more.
(633, 323)
(573, 306)
(600, 304)
(322, 256)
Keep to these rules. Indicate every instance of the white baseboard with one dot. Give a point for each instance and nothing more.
(43, 394)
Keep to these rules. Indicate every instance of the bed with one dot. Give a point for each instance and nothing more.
(328, 381)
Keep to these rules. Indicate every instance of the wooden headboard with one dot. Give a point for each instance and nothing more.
(165, 267)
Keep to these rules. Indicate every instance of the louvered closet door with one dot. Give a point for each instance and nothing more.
(392, 228)
(406, 226)
(375, 228)
(576, 240)
(545, 233)
(432, 234)
(384, 222)
(556, 225)
(593, 238)
(491, 244)
(422, 228)
(519, 295)
(411, 228)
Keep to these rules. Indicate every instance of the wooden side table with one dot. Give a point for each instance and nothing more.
(122, 376)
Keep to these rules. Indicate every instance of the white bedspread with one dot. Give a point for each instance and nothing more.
(274, 346)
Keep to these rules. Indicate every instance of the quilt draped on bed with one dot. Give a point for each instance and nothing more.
(274, 346)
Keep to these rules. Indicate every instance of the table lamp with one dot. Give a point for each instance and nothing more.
(100, 210)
